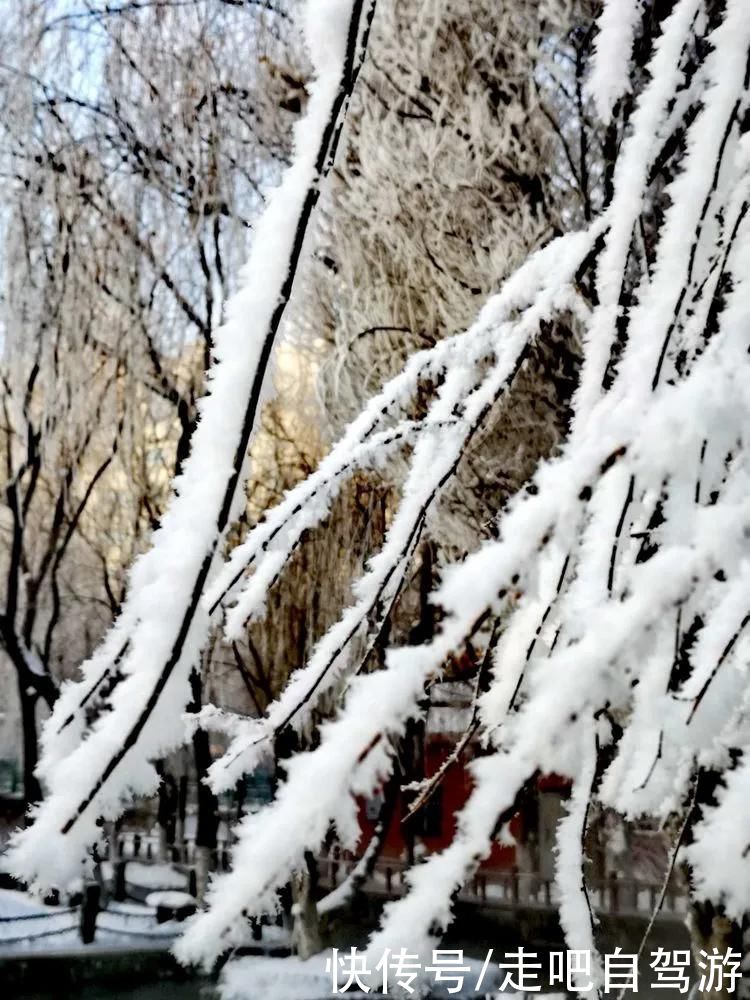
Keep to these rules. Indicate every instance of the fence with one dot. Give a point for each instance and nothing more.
(505, 889)
(512, 889)
(134, 846)
(500, 888)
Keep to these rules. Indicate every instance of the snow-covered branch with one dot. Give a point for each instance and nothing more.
(635, 529)
(587, 577)
(163, 620)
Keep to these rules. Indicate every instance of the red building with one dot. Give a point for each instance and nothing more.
(433, 826)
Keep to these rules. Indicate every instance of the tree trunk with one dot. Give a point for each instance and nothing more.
(32, 790)
(412, 757)
(208, 804)
(306, 937)
(412, 746)
(203, 865)
(162, 849)
(182, 798)
(166, 815)
(32, 684)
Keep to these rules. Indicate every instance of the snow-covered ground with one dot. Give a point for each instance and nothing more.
(149, 876)
(261, 978)
(19, 904)
(27, 925)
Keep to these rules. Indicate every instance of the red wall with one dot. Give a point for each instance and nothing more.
(452, 794)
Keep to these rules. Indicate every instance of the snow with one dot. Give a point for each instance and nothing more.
(154, 876)
(448, 719)
(147, 876)
(255, 978)
(610, 77)
(283, 979)
(17, 904)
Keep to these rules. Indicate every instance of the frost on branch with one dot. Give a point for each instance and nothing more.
(619, 574)
(635, 530)
(146, 661)
(454, 174)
